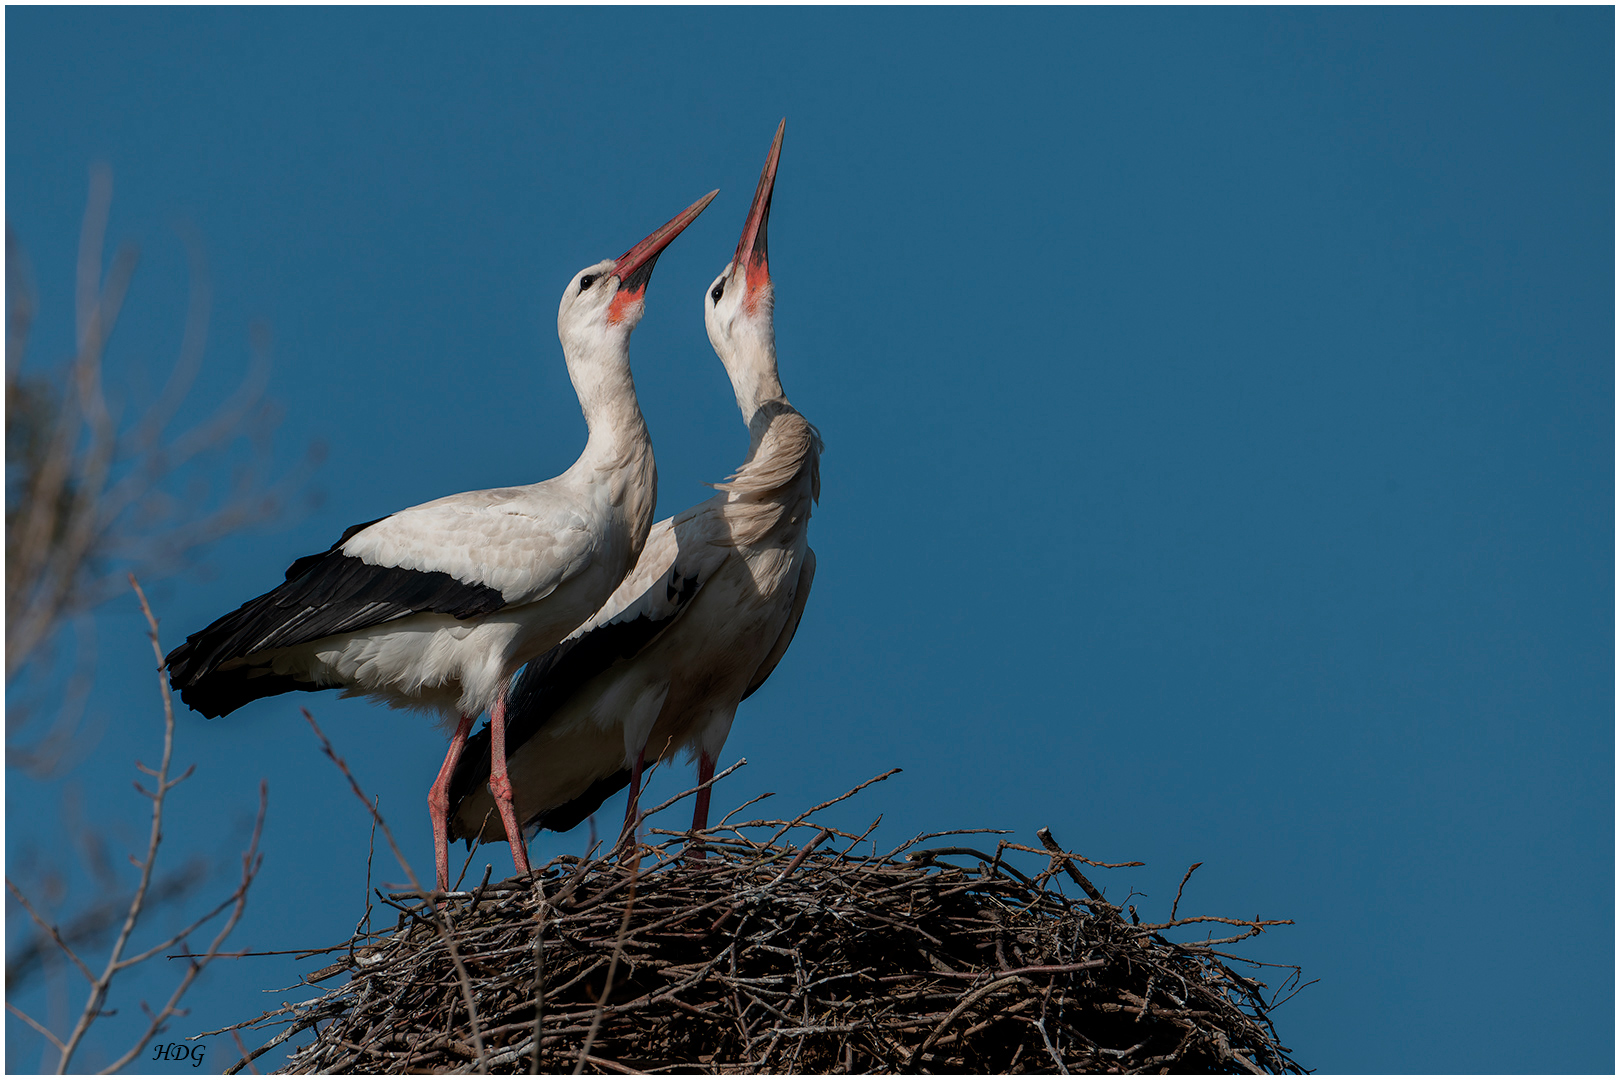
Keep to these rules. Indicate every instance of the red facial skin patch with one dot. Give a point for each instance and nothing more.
(759, 276)
(623, 300)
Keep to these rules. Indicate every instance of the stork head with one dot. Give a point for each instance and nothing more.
(604, 301)
(738, 308)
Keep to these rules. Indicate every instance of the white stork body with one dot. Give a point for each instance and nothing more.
(550, 550)
(698, 625)
(437, 606)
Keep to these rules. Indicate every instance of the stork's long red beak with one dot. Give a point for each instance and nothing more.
(752, 252)
(635, 266)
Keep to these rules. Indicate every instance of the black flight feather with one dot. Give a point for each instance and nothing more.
(544, 687)
(325, 594)
(571, 813)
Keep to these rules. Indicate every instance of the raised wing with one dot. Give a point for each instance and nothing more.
(801, 593)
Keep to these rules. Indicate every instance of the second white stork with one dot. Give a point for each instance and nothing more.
(702, 621)
(437, 606)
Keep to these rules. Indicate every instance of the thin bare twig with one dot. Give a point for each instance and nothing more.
(1071, 856)
(100, 918)
(160, 791)
(117, 961)
(1045, 836)
(241, 1047)
(49, 929)
(673, 799)
(36, 1025)
(848, 794)
(1183, 885)
(252, 861)
(399, 856)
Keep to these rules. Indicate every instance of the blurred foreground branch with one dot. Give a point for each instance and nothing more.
(119, 959)
(89, 493)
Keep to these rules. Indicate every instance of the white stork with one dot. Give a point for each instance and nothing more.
(437, 606)
(701, 622)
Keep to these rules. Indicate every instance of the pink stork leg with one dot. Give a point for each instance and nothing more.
(439, 803)
(500, 785)
(700, 814)
(632, 805)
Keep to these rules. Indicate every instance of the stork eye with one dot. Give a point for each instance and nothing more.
(719, 291)
(587, 281)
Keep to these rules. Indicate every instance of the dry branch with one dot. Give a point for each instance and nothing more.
(92, 491)
(117, 961)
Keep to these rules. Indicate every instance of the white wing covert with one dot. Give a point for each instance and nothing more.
(680, 556)
(521, 542)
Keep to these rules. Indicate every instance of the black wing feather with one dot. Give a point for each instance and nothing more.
(544, 687)
(325, 594)
(571, 813)
(308, 562)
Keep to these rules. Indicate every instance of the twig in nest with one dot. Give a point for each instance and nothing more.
(1183, 885)
(780, 953)
(399, 856)
(613, 967)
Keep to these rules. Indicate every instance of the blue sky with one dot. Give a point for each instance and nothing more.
(1218, 409)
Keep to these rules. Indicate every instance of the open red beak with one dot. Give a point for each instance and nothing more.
(635, 266)
(752, 252)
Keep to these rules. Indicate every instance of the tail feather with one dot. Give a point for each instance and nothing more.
(220, 692)
(324, 595)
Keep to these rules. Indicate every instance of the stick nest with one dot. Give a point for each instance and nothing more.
(788, 947)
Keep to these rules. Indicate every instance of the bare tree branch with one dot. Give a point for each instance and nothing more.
(98, 989)
(92, 924)
(49, 930)
(92, 498)
(86, 498)
(35, 1024)
(251, 863)
(116, 960)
